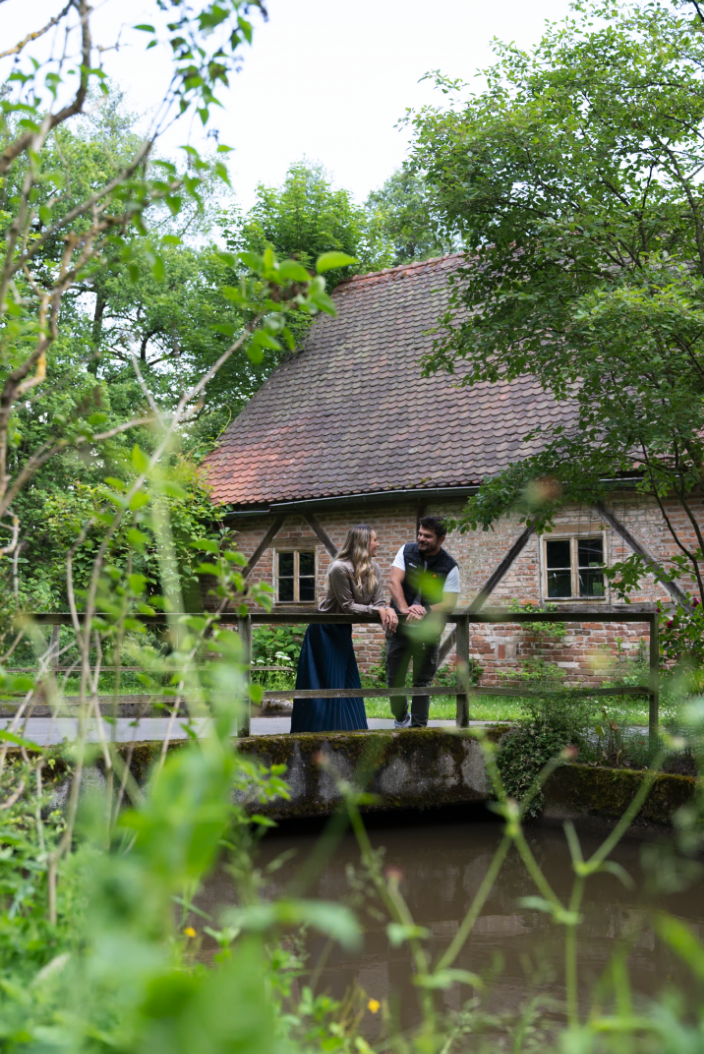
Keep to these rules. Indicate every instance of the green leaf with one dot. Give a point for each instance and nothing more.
(98, 419)
(145, 28)
(28, 744)
(265, 340)
(228, 329)
(620, 872)
(255, 354)
(137, 538)
(233, 294)
(446, 978)
(398, 933)
(292, 271)
(537, 904)
(137, 583)
(139, 500)
(208, 569)
(222, 173)
(139, 459)
(174, 490)
(262, 821)
(331, 919)
(683, 942)
(324, 303)
(206, 544)
(252, 260)
(328, 261)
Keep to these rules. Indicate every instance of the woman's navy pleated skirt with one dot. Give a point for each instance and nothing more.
(327, 660)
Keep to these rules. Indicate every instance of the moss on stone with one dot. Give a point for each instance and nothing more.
(600, 791)
(574, 790)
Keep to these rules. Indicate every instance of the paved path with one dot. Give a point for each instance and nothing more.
(44, 730)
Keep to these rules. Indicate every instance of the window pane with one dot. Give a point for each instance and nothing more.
(306, 588)
(285, 565)
(558, 555)
(590, 552)
(306, 563)
(285, 590)
(591, 584)
(559, 583)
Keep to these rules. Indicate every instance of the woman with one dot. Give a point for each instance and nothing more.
(327, 657)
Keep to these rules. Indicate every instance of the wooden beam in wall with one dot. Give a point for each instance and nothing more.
(489, 586)
(493, 580)
(655, 566)
(263, 546)
(321, 533)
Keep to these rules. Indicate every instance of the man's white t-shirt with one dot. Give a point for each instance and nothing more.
(452, 582)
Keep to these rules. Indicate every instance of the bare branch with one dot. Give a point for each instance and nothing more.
(37, 33)
(24, 142)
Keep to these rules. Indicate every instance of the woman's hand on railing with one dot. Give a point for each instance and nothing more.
(389, 618)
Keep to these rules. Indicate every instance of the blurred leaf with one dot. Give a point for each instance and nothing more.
(20, 741)
(446, 978)
(252, 260)
(292, 271)
(678, 936)
(328, 261)
(140, 460)
(333, 920)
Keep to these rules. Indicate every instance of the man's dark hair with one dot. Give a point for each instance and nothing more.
(434, 524)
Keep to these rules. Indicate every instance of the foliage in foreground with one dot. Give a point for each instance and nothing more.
(98, 925)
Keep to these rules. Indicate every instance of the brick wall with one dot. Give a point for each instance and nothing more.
(584, 652)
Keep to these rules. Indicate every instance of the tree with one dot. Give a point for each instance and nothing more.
(301, 219)
(400, 213)
(574, 180)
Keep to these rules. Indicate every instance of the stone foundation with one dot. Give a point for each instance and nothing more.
(414, 769)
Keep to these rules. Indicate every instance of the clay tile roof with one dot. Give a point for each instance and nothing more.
(351, 414)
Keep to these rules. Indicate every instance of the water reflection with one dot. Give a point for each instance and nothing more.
(520, 951)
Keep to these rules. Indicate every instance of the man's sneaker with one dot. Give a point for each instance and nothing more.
(403, 724)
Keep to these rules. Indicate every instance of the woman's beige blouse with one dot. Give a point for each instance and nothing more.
(344, 597)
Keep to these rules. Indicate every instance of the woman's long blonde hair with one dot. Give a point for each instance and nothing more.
(356, 549)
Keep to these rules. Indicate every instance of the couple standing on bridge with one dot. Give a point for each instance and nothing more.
(424, 586)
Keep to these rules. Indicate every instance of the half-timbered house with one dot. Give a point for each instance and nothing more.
(348, 430)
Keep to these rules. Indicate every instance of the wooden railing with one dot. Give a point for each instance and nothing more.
(462, 689)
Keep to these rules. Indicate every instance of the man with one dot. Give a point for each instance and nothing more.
(424, 584)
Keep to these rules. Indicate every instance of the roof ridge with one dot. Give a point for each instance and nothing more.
(400, 267)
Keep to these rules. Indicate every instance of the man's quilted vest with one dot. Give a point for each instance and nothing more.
(429, 581)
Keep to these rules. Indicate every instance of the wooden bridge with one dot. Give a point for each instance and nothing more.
(462, 690)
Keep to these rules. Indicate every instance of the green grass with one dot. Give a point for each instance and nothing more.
(484, 708)
(622, 711)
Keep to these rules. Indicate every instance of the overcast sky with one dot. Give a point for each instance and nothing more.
(325, 79)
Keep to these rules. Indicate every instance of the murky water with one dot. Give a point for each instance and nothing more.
(518, 949)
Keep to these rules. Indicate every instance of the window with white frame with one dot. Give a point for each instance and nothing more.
(295, 576)
(573, 567)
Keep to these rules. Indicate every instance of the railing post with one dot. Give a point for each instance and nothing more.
(654, 682)
(244, 629)
(462, 719)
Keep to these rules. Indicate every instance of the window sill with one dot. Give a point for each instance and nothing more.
(575, 600)
(297, 604)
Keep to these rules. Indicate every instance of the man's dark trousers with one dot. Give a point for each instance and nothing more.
(401, 649)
